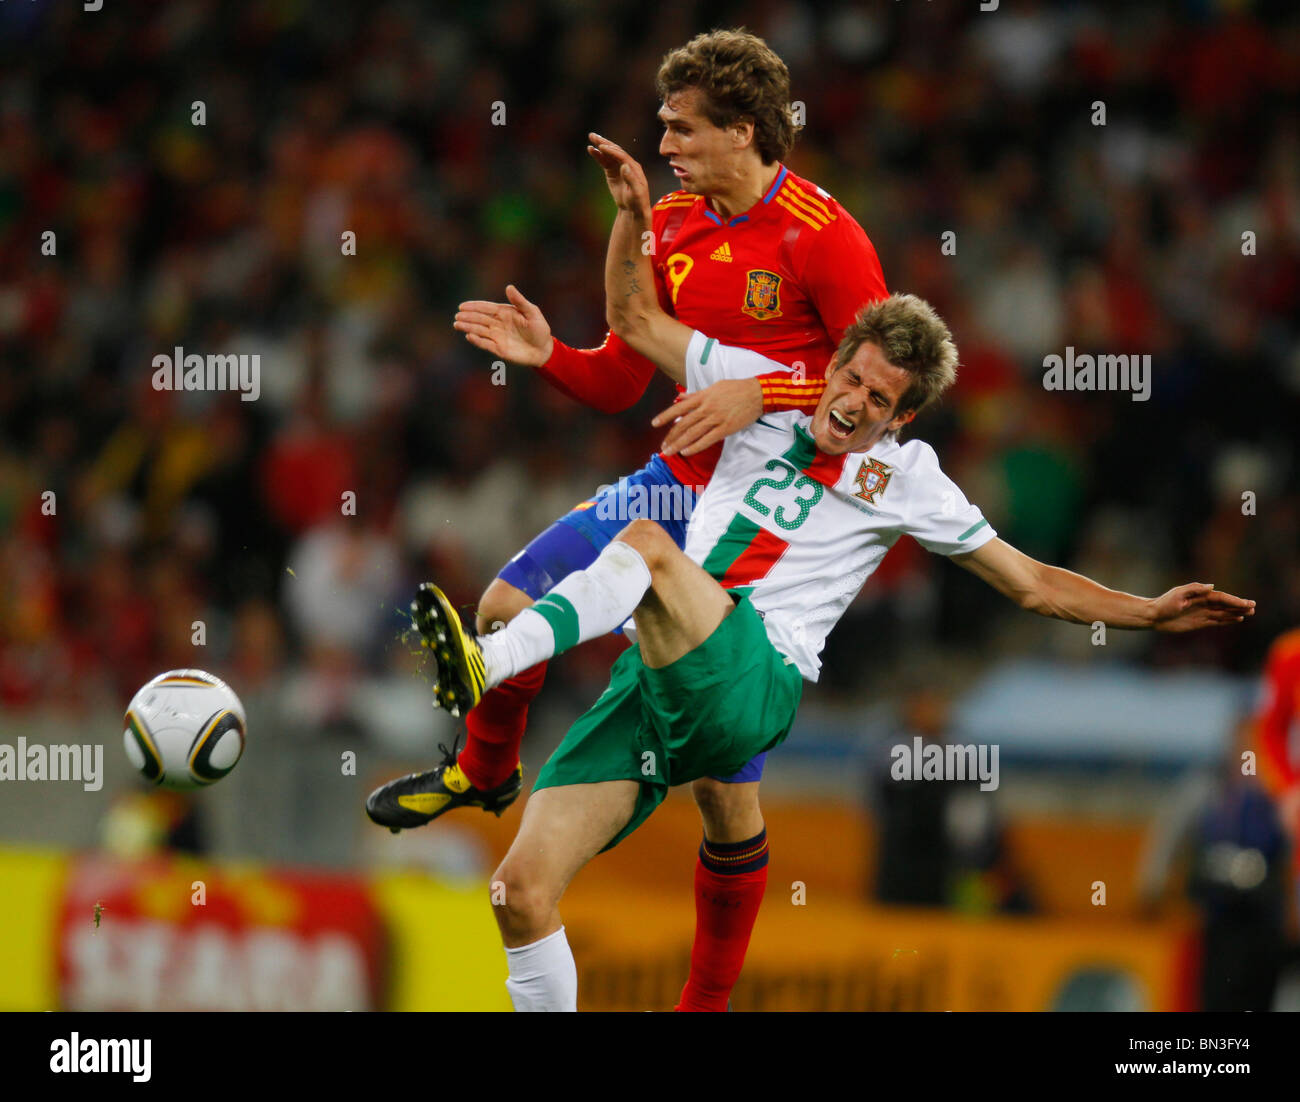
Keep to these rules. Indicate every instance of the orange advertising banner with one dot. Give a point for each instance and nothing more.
(633, 953)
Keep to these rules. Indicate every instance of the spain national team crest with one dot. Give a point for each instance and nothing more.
(873, 477)
(762, 295)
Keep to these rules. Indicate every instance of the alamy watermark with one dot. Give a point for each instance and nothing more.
(190, 371)
(1088, 372)
(88, 1054)
(627, 500)
(53, 761)
(947, 761)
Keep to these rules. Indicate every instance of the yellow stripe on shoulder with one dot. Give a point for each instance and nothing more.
(798, 213)
(810, 199)
(676, 199)
(799, 199)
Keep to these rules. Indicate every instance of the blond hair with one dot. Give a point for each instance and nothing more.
(910, 335)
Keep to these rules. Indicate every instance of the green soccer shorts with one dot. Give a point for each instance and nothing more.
(707, 714)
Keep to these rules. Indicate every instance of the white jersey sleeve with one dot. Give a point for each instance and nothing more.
(708, 362)
(938, 516)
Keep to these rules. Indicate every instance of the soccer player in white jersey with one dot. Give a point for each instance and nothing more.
(799, 512)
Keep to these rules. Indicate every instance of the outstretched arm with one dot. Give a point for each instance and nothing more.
(610, 378)
(631, 301)
(1064, 595)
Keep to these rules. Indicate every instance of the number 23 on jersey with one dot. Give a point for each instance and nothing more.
(802, 483)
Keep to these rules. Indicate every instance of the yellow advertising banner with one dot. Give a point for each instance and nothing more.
(445, 949)
(31, 890)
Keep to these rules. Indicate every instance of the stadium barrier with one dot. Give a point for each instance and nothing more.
(87, 932)
(633, 950)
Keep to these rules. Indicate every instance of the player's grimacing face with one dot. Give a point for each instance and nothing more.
(857, 407)
(698, 152)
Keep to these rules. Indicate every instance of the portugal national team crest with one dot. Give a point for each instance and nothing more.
(873, 477)
(762, 295)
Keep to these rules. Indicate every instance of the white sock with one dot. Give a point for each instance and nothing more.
(518, 646)
(585, 605)
(543, 975)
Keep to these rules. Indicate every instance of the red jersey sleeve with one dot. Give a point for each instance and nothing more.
(1280, 707)
(785, 391)
(609, 378)
(842, 273)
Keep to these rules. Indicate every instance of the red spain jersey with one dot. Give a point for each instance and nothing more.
(1279, 715)
(786, 278)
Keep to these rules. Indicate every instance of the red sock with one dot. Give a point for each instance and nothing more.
(495, 728)
(730, 878)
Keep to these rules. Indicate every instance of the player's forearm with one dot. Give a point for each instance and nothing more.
(632, 302)
(630, 296)
(1065, 595)
(610, 378)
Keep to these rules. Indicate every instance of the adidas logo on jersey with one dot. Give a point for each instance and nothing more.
(722, 252)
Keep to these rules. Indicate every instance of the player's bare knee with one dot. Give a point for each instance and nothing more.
(710, 797)
(721, 804)
(519, 902)
(501, 602)
(649, 540)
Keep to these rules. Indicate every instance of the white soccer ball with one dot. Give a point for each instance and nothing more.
(184, 729)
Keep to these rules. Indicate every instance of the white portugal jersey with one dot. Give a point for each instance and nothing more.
(801, 531)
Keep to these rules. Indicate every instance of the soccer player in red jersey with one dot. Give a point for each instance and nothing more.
(759, 258)
(1279, 730)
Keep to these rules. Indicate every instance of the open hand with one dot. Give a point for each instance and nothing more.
(623, 175)
(1199, 605)
(516, 331)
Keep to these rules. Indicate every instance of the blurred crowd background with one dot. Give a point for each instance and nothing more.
(922, 116)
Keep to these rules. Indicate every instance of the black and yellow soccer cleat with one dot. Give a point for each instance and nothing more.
(456, 654)
(419, 798)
